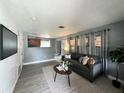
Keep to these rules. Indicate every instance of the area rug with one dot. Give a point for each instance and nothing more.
(78, 83)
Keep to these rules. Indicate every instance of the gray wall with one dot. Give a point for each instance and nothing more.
(116, 39)
(37, 53)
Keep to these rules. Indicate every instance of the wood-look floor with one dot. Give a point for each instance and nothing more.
(32, 80)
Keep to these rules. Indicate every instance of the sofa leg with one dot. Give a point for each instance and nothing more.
(91, 81)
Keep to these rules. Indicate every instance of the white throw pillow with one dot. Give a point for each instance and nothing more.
(85, 59)
(67, 56)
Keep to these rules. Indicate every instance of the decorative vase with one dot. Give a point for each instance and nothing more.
(66, 68)
(63, 64)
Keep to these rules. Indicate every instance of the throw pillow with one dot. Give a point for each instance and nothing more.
(80, 59)
(91, 61)
(85, 59)
(68, 56)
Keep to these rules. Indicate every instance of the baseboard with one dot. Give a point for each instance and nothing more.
(13, 87)
(113, 78)
(36, 62)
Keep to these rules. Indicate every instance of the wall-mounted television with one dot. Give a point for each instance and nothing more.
(8, 42)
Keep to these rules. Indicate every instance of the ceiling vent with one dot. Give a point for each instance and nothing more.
(61, 27)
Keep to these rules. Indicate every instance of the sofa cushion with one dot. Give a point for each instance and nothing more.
(80, 59)
(76, 56)
(97, 59)
(73, 56)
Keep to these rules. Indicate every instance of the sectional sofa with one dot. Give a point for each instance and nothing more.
(90, 72)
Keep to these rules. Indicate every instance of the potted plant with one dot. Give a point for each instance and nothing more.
(117, 56)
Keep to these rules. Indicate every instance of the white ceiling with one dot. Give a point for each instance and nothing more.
(42, 17)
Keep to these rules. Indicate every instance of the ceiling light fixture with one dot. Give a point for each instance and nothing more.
(34, 18)
(47, 36)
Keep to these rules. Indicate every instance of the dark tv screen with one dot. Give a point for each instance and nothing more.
(8, 43)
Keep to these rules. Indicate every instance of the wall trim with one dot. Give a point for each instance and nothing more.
(114, 78)
(36, 62)
(13, 87)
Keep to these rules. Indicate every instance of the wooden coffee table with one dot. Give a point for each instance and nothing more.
(62, 73)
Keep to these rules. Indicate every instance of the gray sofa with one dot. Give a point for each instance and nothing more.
(91, 72)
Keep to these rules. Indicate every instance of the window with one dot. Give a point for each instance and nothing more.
(78, 41)
(72, 45)
(87, 41)
(72, 42)
(45, 43)
(98, 41)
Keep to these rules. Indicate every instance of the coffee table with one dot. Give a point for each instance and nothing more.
(62, 72)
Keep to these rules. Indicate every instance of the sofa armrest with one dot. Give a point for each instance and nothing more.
(96, 69)
(95, 65)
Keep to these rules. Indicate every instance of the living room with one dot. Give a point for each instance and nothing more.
(73, 46)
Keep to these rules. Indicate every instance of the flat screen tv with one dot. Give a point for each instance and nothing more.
(8, 42)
